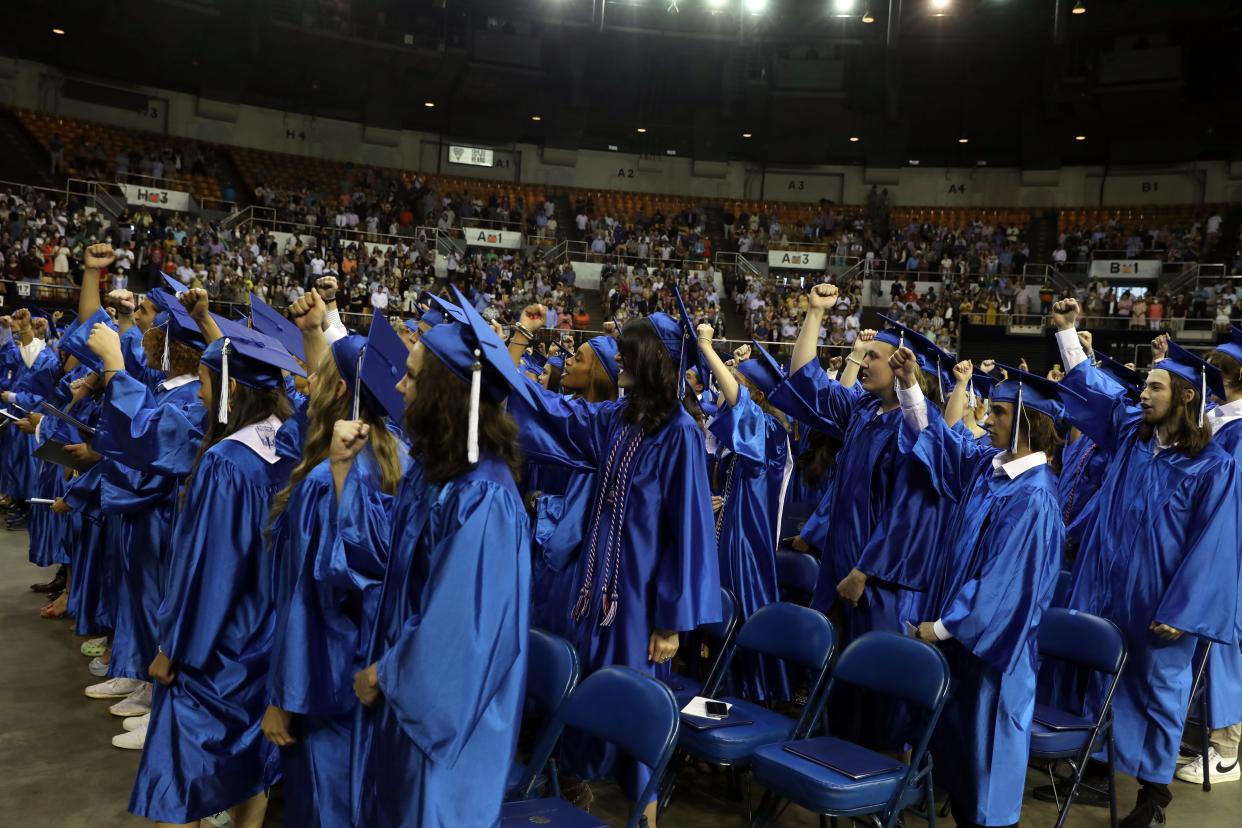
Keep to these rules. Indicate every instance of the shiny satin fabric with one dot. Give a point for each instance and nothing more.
(451, 644)
(204, 749)
(1083, 465)
(30, 386)
(1152, 553)
(327, 596)
(46, 528)
(1225, 663)
(667, 568)
(989, 588)
(560, 524)
(753, 488)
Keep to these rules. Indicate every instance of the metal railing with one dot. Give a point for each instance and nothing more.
(743, 265)
(166, 182)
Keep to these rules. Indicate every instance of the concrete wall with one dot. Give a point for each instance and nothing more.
(36, 86)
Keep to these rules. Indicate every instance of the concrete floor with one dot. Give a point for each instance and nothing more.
(58, 767)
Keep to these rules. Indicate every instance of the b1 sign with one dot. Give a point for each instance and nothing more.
(797, 259)
(154, 197)
(474, 156)
(481, 237)
(1125, 268)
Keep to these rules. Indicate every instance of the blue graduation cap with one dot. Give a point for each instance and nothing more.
(474, 354)
(1027, 390)
(248, 356)
(1234, 346)
(383, 365)
(74, 342)
(557, 362)
(266, 319)
(533, 362)
(180, 325)
(981, 385)
(1205, 378)
(762, 369)
(605, 348)
(691, 353)
(176, 285)
(1127, 378)
(932, 359)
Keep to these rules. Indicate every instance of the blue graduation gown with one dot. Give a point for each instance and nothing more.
(31, 386)
(747, 525)
(204, 750)
(150, 440)
(451, 645)
(560, 524)
(1225, 662)
(46, 528)
(989, 588)
(327, 595)
(650, 545)
(1152, 553)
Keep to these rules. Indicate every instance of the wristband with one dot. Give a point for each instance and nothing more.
(522, 328)
(857, 362)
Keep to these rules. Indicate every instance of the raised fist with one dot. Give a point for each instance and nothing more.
(99, 256)
(823, 297)
(1065, 314)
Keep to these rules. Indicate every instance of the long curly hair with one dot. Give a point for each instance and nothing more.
(437, 420)
(182, 359)
(325, 408)
(651, 400)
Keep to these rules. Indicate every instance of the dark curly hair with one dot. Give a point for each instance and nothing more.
(437, 423)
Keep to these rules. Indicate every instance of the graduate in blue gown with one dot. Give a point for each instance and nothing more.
(204, 749)
(328, 582)
(561, 512)
(1151, 559)
(447, 670)
(1225, 661)
(754, 441)
(648, 570)
(36, 374)
(990, 582)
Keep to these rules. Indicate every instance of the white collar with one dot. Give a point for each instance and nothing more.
(260, 437)
(177, 382)
(1222, 415)
(1020, 466)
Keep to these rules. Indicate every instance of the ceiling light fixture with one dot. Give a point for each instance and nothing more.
(842, 8)
(745, 134)
(1079, 8)
(940, 6)
(1080, 137)
(536, 117)
(429, 104)
(642, 130)
(756, 6)
(868, 17)
(854, 139)
(963, 140)
(58, 31)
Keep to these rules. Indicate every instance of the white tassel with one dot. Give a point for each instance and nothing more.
(1017, 422)
(620, 392)
(358, 382)
(472, 425)
(223, 415)
(1203, 397)
(166, 363)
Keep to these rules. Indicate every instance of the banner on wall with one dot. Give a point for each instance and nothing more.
(1125, 268)
(155, 197)
(797, 259)
(481, 237)
(474, 156)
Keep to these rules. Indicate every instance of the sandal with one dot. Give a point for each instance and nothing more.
(50, 611)
(94, 647)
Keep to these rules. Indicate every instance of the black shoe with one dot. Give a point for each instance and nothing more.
(56, 584)
(18, 522)
(1145, 815)
(1083, 796)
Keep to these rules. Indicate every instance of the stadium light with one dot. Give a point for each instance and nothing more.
(716, 5)
(1079, 8)
(642, 130)
(429, 104)
(58, 31)
(963, 140)
(1080, 137)
(746, 135)
(536, 117)
(939, 7)
(843, 8)
(868, 17)
(854, 139)
(756, 6)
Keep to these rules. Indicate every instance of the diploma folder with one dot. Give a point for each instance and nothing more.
(73, 421)
(552, 812)
(844, 757)
(1056, 719)
(53, 451)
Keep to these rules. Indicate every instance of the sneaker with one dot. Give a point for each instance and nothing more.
(220, 820)
(1145, 815)
(95, 646)
(115, 688)
(136, 703)
(130, 740)
(135, 722)
(1222, 770)
(97, 667)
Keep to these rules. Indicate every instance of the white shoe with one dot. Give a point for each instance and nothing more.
(115, 688)
(1222, 770)
(94, 646)
(130, 740)
(136, 703)
(135, 722)
(220, 820)
(97, 667)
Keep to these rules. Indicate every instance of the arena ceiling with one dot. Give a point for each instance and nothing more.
(1142, 81)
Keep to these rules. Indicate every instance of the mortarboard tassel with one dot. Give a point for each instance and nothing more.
(223, 415)
(165, 362)
(1203, 392)
(472, 425)
(1017, 421)
(358, 382)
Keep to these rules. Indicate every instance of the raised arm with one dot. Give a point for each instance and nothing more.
(195, 301)
(97, 257)
(956, 407)
(853, 362)
(308, 314)
(1100, 410)
(821, 298)
(724, 377)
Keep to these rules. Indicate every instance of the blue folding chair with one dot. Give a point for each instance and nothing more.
(796, 576)
(720, 634)
(1199, 714)
(551, 675)
(1085, 641)
(619, 705)
(797, 636)
(847, 780)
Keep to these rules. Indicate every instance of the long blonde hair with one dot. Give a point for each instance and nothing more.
(324, 409)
